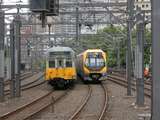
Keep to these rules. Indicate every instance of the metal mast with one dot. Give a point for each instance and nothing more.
(130, 8)
(155, 60)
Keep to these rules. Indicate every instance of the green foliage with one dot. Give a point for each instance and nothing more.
(111, 59)
(147, 47)
(113, 30)
(118, 33)
(108, 39)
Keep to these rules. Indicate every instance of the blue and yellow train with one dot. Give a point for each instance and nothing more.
(92, 65)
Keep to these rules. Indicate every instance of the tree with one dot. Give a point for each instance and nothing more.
(108, 39)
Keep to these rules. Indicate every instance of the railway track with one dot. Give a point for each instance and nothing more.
(22, 77)
(77, 112)
(29, 85)
(106, 103)
(31, 109)
(123, 75)
(123, 82)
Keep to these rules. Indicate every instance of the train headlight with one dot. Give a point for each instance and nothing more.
(104, 74)
(73, 77)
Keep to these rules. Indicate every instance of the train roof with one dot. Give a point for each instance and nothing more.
(59, 49)
(91, 50)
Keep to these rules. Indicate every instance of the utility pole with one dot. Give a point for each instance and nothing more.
(55, 41)
(18, 53)
(140, 60)
(155, 60)
(12, 51)
(31, 60)
(77, 26)
(8, 60)
(130, 8)
(118, 54)
(49, 29)
(2, 54)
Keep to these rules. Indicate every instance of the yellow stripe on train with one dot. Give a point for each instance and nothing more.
(65, 73)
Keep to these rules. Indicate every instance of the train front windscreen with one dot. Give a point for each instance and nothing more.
(60, 59)
(95, 60)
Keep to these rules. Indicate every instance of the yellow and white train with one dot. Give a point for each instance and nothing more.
(92, 65)
(60, 67)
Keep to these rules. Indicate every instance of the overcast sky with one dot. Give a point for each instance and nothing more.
(8, 19)
(26, 1)
(14, 1)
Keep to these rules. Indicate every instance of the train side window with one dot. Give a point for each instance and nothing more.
(51, 64)
(68, 63)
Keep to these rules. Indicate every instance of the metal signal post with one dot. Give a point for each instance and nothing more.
(140, 60)
(77, 25)
(15, 56)
(155, 60)
(12, 51)
(18, 48)
(130, 9)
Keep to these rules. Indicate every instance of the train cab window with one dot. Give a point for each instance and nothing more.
(92, 62)
(95, 62)
(100, 62)
(52, 64)
(60, 63)
(68, 63)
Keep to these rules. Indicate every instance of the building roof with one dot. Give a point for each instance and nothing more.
(59, 49)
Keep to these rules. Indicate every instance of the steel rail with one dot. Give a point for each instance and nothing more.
(43, 108)
(75, 114)
(29, 85)
(22, 77)
(106, 102)
(9, 114)
(32, 104)
(122, 82)
(81, 107)
(133, 82)
(116, 73)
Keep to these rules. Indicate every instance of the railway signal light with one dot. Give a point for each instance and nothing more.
(28, 47)
(39, 5)
(53, 8)
(28, 52)
(49, 7)
(45, 8)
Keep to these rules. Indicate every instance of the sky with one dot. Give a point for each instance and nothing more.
(8, 19)
(14, 1)
(26, 1)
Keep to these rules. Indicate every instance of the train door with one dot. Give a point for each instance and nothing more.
(60, 63)
(60, 67)
(69, 63)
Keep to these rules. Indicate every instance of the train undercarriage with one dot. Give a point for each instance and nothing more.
(60, 83)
